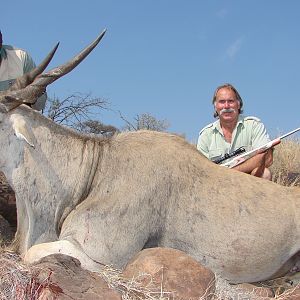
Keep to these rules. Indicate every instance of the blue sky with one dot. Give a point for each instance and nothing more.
(166, 57)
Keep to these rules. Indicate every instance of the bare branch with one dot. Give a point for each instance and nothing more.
(74, 109)
(129, 126)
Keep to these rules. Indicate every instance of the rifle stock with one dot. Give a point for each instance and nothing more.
(245, 156)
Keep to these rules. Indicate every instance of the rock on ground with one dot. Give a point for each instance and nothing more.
(175, 273)
(61, 277)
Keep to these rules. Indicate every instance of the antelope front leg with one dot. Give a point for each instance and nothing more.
(39, 251)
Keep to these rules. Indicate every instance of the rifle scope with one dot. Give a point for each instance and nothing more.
(229, 155)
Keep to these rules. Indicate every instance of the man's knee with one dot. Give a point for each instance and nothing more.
(267, 174)
(264, 173)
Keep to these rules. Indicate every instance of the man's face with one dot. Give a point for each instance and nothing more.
(226, 105)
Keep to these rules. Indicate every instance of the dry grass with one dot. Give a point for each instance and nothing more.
(286, 165)
(18, 282)
(132, 289)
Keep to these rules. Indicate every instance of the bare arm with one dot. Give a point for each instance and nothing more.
(256, 161)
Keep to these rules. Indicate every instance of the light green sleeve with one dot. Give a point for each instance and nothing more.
(260, 136)
(204, 142)
(28, 63)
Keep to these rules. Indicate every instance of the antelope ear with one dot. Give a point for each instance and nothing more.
(22, 132)
(10, 102)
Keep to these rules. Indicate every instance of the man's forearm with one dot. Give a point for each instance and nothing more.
(249, 165)
(256, 161)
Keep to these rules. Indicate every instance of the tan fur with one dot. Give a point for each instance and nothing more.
(102, 201)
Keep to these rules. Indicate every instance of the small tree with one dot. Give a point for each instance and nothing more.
(78, 111)
(96, 127)
(146, 121)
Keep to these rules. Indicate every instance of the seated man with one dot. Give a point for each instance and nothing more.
(232, 131)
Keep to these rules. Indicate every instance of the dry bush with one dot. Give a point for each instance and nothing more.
(286, 165)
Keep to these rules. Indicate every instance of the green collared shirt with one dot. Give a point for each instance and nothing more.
(14, 63)
(249, 133)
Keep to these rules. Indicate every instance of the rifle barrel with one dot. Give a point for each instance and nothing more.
(250, 153)
(289, 133)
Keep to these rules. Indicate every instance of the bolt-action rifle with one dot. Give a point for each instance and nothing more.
(245, 156)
